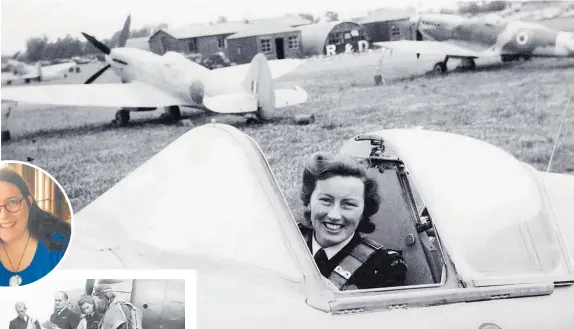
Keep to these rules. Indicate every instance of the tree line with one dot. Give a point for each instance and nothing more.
(40, 48)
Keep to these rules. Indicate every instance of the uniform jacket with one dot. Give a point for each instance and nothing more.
(385, 268)
(68, 319)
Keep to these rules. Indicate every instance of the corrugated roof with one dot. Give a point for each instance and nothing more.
(385, 15)
(203, 30)
(263, 29)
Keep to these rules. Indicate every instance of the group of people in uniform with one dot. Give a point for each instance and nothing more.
(99, 311)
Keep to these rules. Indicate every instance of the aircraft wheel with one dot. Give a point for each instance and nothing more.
(5, 135)
(252, 121)
(378, 79)
(304, 119)
(122, 118)
(174, 113)
(471, 64)
(8, 82)
(439, 68)
(27, 81)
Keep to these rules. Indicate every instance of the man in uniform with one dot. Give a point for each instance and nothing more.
(23, 321)
(118, 314)
(63, 317)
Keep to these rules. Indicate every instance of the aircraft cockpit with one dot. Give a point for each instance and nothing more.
(402, 222)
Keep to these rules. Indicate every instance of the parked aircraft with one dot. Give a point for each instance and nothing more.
(161, 302)
(487, 239)
(488, 36)
(25, 72)
(150, 81)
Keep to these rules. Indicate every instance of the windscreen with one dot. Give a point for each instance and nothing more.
(203, 195)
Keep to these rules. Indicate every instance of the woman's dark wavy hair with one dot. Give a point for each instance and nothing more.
(87, 299)
(321, 166)
(41, 224)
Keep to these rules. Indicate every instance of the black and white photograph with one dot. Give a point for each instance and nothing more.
(320, 164)
(68, 300)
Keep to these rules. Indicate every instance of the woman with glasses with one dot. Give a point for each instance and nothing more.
(32, 241)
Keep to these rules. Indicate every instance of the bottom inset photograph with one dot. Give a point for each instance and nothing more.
(66, 301)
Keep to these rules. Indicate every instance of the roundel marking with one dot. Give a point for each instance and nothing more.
(522, 38)
(488, 325)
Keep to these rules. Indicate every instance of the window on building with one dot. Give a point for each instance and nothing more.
(395, 31)
(336, 38)
(293, 42)
(192, 45)
(265, 46)
(221, 42)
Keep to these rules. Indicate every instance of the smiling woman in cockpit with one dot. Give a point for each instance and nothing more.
(340, 195)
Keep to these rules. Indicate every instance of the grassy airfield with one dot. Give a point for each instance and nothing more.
(515, 106)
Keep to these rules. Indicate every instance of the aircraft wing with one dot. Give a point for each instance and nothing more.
(19, 77)
(429, 48)
(133, 94)
(57, 68)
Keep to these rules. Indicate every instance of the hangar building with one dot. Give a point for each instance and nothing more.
(209, 39)
(316, 37)
(388, 25)
(276, 41)
(204, 39)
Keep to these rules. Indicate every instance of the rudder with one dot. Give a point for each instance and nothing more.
(260, 83)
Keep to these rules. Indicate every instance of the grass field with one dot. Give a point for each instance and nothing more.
(515, 106)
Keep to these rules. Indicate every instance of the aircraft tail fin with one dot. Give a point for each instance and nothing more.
(259, 82)
(125, 34)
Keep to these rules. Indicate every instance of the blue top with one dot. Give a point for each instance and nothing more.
(44, 262)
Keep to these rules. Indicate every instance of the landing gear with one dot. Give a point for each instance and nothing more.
(439, 68)
(27, 81)
(122, 118)
(173, 113)
(253, 118)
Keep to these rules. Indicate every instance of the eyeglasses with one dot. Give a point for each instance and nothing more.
(13, 205)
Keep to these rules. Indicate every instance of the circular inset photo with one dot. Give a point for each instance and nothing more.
(35, 223)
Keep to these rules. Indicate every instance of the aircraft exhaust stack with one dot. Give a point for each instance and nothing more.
(259, 82)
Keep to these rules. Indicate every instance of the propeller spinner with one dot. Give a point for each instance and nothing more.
(106, 50)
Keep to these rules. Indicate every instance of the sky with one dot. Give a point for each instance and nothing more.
(22, 19)
(38, 296)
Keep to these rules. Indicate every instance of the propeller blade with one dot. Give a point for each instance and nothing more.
(97, 74)
(125, 33)
(16, 55)
(103, 48)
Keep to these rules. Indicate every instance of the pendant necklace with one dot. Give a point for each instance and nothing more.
(16, 279)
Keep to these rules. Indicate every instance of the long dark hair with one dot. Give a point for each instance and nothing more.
(321, 166)
(41, 224)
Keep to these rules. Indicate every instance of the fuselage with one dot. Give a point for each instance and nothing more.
(20, 68)
(171, 72)
(492, 34)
